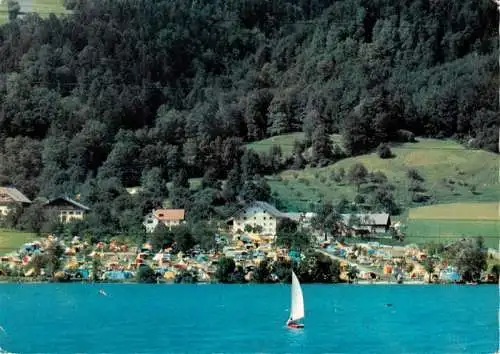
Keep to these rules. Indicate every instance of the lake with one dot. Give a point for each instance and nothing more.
(140, 318)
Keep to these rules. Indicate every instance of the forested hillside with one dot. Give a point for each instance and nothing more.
(127, 93)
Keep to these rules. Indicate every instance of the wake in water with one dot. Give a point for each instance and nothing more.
(3, 351)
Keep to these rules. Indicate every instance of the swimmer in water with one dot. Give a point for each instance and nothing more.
(102, 292)
(3, 330)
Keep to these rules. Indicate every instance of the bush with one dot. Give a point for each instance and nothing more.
(415, 175)
(282, 269)
(70, 4)
(384, 152)
(416, 186)
(378, 177)
(145, 274)
(262, 273)
(186, 277)
(341, 174)
(420, 197)
(359, 199)
(404, 136)
(13, 8)
(305, 181)
(225, 269)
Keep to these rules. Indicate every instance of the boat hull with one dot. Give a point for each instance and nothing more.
(295, 325)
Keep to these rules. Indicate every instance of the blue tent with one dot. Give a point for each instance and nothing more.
(295, 255)
(117, 275)
(84, 273)
(449, 274)
(201, 258)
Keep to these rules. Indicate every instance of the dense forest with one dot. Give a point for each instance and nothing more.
(127, 93)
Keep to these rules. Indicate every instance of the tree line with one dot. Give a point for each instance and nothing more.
(120, 94)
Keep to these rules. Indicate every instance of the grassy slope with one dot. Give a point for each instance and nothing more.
(43, 7)
(46, 7)
(4, 16)
(286, 142)
(448, 168)
(436, 160)
(11, 240)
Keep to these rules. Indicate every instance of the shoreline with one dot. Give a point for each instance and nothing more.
(363, 283)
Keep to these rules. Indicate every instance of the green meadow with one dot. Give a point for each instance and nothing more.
(452, 174)
(11, 240)
(42, 7)
(285, 142)
(4, 15)
(45, 7)
(421, 231)
(458, 211)
(447, 222)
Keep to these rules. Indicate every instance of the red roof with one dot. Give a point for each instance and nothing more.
(169, 214)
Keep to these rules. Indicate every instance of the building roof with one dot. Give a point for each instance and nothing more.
(15, 194)
(169, 214)
(263, 205)
(297, 216)
(271, 209)
(368, 219)
(68, 200)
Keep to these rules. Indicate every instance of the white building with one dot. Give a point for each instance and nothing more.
(150, 222)
(169, 217)
(10, 197)
(67, 209)
(257, 214)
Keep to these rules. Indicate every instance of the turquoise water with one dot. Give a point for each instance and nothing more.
(69, 318)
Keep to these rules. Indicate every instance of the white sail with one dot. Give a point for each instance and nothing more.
(297, 311)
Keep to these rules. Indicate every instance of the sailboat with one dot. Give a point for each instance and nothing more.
(297, 308)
